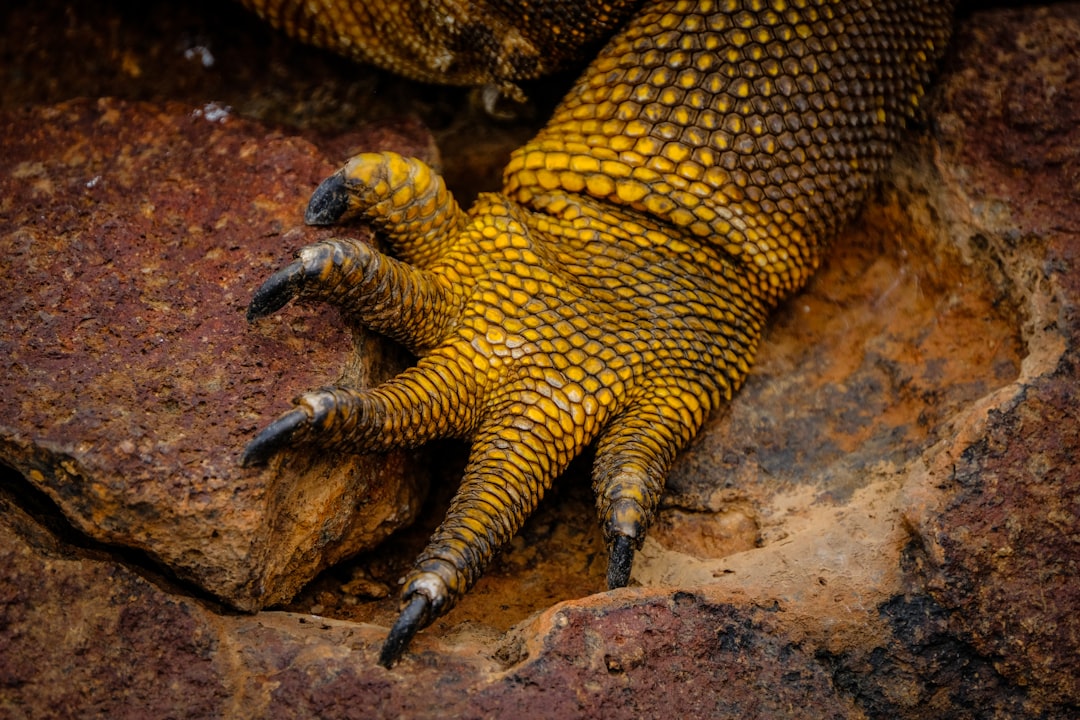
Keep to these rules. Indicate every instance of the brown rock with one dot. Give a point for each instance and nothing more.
(134, 647)
(1000, 549)
(84, 636)
(135, 235)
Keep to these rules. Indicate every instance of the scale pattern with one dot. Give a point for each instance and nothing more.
(456, 42)
(614, 292)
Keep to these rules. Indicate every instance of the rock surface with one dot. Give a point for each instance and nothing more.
(136, 234)
(886, 521)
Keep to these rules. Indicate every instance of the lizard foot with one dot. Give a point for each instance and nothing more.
(538, 332)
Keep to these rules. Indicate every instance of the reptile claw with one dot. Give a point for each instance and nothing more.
(412, 618)
(279, 289)
(273, 437)
(620, 561)
(329, 202)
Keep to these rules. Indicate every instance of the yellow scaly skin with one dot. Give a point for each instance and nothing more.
(454, 42)
(615, 291)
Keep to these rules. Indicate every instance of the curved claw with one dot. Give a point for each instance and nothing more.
(410, 305)
(279, 289)
(402, 197)
(632, 459)
(273, 437)
(413, 617)
(620, 561)
(329, 202)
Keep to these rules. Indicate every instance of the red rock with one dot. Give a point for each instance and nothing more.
(135, 235)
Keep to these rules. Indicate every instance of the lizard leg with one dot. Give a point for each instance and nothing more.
(687, 184)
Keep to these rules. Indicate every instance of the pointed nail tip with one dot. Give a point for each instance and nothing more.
(272, 438)
(252, 457)
(412, 618)
(316, 218)
(276, 292)
(254, 313)
(259, 307)
(388, 659)
(258, 451)
(394, 647)
(328, 203)
(620, 562)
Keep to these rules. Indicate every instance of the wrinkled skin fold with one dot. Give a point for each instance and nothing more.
(614, 292)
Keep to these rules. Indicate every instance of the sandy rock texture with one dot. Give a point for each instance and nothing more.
(884, 523)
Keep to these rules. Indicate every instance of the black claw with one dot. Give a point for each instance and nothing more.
(273, 437)
(329, 202)
(620, 560)
(411, 619)
(279, 289)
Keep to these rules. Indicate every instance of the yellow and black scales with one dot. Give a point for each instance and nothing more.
(615, 290)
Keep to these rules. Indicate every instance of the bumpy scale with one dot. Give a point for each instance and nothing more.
(615, 291)
(455, 42)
